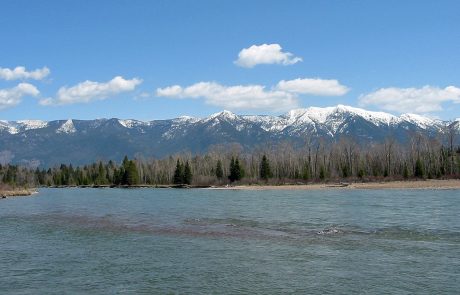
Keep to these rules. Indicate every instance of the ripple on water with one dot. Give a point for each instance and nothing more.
(226, 227)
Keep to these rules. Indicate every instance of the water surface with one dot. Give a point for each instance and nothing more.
(123, 241)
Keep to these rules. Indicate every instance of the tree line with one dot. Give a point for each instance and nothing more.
(278, 164)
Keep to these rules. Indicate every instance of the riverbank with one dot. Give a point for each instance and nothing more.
(16, 193)
(411, 184)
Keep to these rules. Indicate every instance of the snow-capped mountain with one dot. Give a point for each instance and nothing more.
(84, 141)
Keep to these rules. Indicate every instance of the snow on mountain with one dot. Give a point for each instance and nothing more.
(59, 142)
(224, 115)
(8, 127)
(267, 123)
(457, 123)
(331, 120)
(420, 121)
(14, 127)
(68, 127)
(133, 123)
(324, 115)
(32, 124)
(186, 119)
(377, 118)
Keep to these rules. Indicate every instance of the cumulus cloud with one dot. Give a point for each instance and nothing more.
(13, 96)
(412, 100)
(175, 91)
(265, 54)
(21, 73)
(313, 87)
(234, 97)
(89, 91)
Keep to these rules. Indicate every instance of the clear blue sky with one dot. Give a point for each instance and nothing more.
(388, 55)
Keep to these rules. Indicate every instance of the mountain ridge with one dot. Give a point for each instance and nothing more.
(84, 141)
(315, 114)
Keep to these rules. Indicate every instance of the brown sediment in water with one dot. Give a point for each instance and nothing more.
(412, 184)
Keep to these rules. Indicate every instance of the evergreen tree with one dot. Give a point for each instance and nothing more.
(405, 171)
(187, 178)
(236, 171)
(239, 169)
(231, 177)
(118, 175)
(131, 175)
(306, 172)
(101, 174)
(219, 170)
(125, 162)
(419, 171)
(179, 173)
(265, 171)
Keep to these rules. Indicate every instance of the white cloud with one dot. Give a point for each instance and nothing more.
(22, 73)
(89, 91)
(412, 100)
(313, 87)
(265, 54)
(234, 97)
(13, 96)
(171, 91)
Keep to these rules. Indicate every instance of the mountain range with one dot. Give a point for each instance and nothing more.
(48, 143)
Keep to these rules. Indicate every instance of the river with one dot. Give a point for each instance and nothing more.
(144, 241)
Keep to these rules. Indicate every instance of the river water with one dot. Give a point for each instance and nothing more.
(147, 241)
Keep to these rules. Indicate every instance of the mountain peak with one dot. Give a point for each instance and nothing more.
(67, 127)
(224, 114)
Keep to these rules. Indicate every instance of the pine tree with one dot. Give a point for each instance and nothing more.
(265, 171)
(231, 177)
(131, 175)
(101, 174)
(179, 173)
(187, 177)
(219, 170)
(419, 171)
(405, 171)
(236, 171)
(125, 162)
(239, 170)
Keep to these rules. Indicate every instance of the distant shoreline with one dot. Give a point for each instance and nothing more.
(433, 184)
(410, 184)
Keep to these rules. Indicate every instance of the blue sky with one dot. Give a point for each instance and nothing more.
(162, 59)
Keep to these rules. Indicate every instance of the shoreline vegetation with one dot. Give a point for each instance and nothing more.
(420, 163)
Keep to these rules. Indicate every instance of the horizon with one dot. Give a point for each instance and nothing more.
(164, 59)
(239, 114)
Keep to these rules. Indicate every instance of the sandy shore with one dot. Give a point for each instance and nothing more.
(419, 184)
(16, 193)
